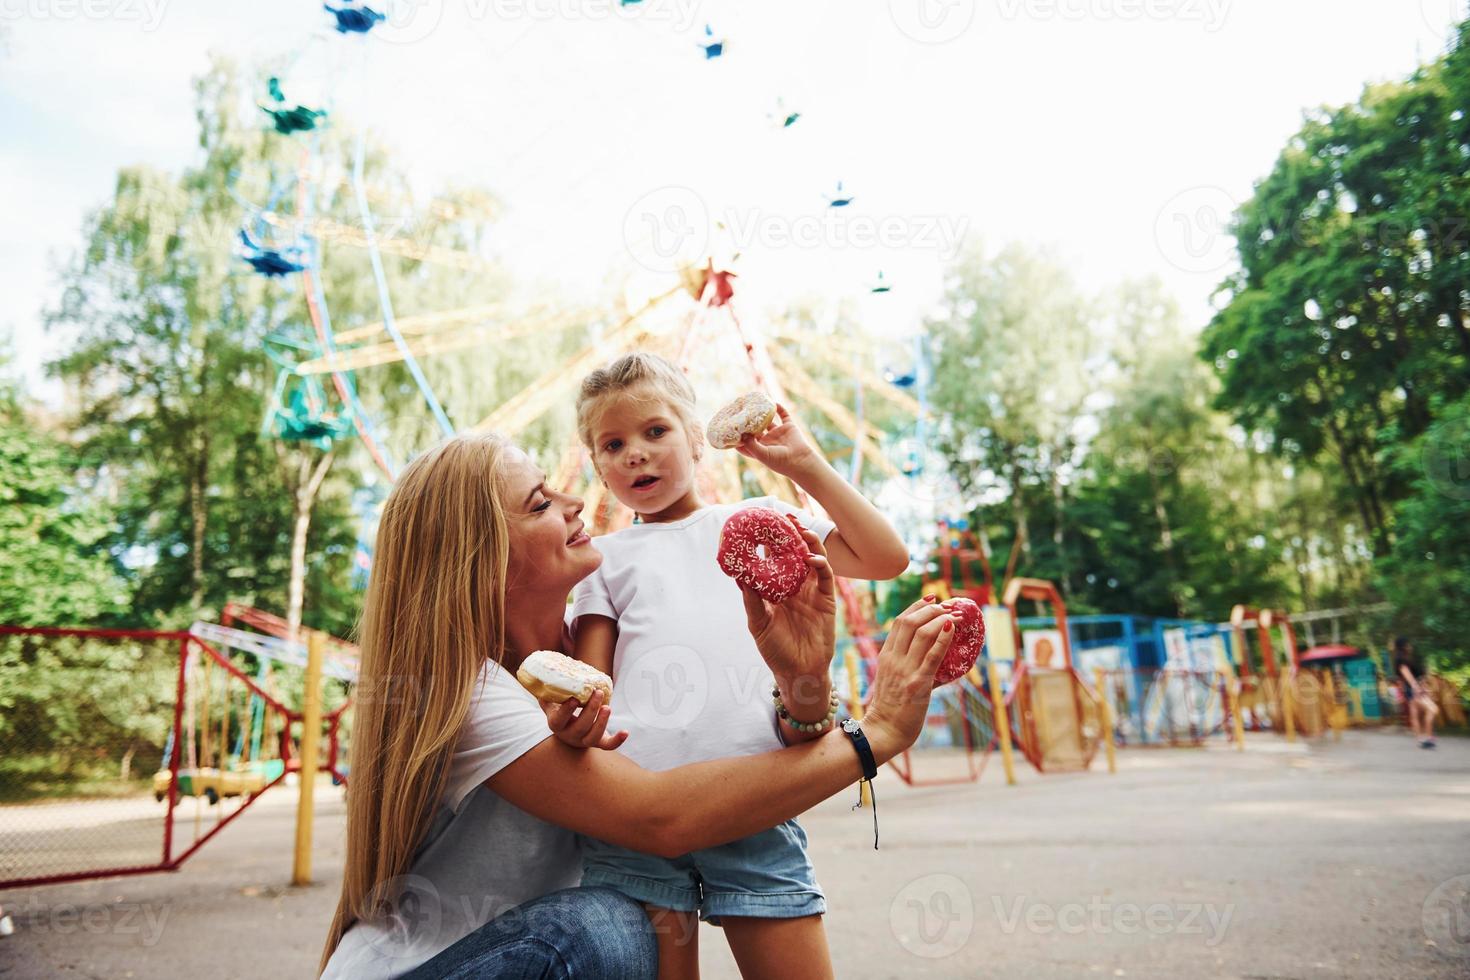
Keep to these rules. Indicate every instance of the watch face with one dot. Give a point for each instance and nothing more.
(851, 726)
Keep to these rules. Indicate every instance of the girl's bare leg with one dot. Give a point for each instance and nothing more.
(678, 943)
(793, 949)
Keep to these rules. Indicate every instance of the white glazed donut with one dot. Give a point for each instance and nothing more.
(752, 412)
(553, 676)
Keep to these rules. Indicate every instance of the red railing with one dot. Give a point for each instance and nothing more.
(51, 833)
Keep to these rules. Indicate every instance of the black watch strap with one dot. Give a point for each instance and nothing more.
(854, 733)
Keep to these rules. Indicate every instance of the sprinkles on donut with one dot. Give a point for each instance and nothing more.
(751, 413)
(774, 576)
(964, 649)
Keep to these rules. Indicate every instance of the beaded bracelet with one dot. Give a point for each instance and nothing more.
(806, 727)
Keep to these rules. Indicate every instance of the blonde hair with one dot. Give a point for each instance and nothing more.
(433, 614)
(638, 369)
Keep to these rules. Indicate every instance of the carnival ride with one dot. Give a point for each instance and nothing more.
(1055, 713)
(232, 735)
(692, 320)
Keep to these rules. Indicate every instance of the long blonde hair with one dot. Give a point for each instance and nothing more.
(434, 612)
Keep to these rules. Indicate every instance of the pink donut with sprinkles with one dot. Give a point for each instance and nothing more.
(964, 649)
(774, 576)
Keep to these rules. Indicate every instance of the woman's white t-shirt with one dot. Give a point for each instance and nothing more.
(482, 856)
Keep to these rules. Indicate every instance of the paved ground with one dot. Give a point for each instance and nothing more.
(1342, 860)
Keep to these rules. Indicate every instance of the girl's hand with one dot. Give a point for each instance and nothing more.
(782, 447)
(797, 638)
(583, 727)
(904, 680)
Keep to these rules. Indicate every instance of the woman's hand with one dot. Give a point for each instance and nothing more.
(798, 637)
(583, 727)
(898, 698)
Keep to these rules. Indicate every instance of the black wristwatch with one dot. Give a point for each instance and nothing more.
(854, 731)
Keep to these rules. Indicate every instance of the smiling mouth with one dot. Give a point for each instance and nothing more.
(644, 482)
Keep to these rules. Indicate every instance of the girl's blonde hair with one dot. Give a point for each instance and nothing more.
(635, 370)
(434, 613)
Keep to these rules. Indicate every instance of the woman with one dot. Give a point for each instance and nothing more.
(461, 850)
(1409, 674)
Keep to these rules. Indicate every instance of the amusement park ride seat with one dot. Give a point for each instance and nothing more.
(958, 545)
(215, 784)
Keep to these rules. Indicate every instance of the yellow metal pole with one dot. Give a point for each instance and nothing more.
(1288, 705)
(311, 730)
(1232, 696)
(1002, 726)
(855, 708)
(1105, 712)
(1329, 696)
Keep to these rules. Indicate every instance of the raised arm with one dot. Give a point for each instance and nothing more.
(864, 545)
(604, 795)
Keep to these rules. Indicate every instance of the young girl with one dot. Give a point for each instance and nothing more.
(670, 627)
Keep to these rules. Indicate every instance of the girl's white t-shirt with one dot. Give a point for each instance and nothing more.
(688, 682)
(482, 856)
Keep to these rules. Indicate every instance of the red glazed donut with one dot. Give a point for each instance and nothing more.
(778, 575)
(964, 649)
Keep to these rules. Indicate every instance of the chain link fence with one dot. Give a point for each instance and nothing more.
(123, 751)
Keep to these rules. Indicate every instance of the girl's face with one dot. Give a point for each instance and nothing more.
(646, 455)
(549, 550)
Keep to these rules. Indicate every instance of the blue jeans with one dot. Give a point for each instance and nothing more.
(574, 933)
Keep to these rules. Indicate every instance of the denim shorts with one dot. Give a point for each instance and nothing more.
(765, 876)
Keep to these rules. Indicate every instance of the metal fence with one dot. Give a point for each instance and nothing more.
(1166, 706)
(959, 728)
(124, 751)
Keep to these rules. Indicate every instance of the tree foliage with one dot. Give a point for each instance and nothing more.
(1344, 341)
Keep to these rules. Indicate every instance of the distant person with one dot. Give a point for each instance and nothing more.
(1409, 675)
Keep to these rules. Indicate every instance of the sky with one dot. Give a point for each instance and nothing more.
(1118, 133)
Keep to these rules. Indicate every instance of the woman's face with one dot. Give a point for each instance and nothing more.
(549, 550)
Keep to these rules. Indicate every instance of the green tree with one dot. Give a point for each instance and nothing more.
(1427, 576)
(1169, 503)
(1015, 350)
(168, 373)
(1348, 320)
(55, 572)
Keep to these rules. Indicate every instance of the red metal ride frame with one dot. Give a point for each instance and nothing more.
(168, 860)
